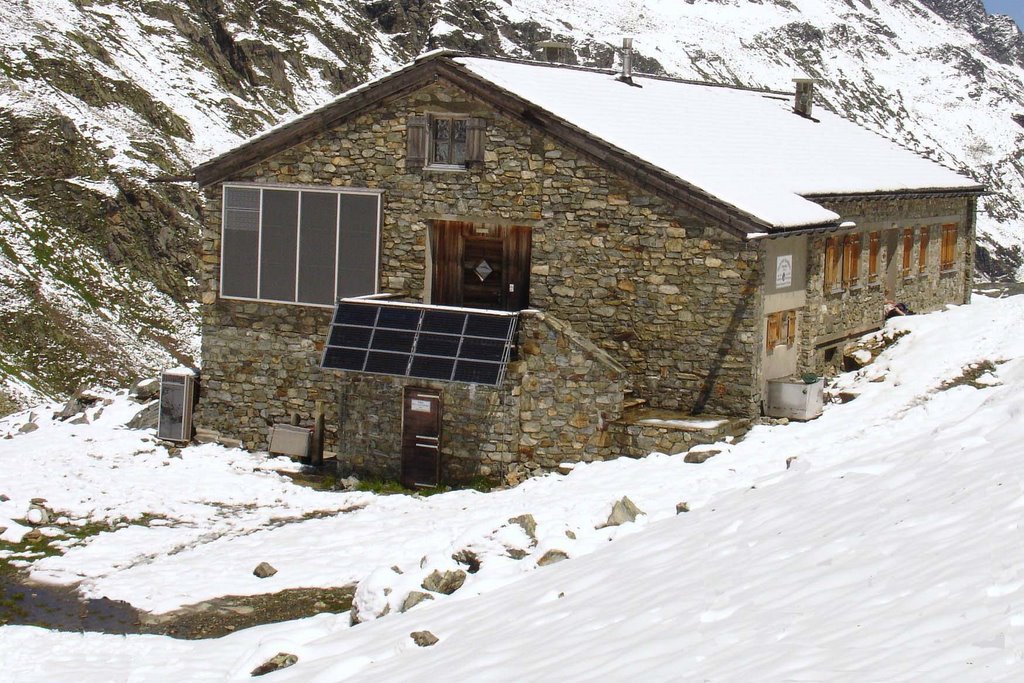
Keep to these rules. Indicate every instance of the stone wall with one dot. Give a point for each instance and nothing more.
(831, 318)
(669, 297)
(554, 405)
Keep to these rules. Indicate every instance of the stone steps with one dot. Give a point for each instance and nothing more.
(647, 430)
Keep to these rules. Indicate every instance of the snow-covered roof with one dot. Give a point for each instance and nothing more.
(745, 147)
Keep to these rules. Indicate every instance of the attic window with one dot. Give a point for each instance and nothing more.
(444, 142)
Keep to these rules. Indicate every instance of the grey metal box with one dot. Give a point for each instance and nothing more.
(795, 399)
(290, 440)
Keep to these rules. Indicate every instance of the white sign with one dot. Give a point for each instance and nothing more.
(784, 271)
(420, 406)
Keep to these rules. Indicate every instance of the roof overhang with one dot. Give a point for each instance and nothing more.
(439, 65)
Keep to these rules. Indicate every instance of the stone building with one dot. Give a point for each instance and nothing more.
(666, 247)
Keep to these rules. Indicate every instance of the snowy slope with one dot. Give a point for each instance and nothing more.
(889, 549)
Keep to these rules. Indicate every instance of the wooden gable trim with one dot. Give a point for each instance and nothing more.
(312, 124)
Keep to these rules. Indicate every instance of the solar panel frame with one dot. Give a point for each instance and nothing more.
(399, 339)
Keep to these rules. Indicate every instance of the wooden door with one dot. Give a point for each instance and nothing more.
(421, 438)
(483, 267)
(480, 266)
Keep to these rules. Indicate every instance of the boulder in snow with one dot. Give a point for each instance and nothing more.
(282, 660)
(551, 557)
(423, 638)
(528, 523)
(446, 582)
(682, 507)
(623, 511)
(146, 418)
(264, 570)
(145, 390)
(414, 598)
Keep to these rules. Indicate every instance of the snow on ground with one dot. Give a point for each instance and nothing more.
(890, 549)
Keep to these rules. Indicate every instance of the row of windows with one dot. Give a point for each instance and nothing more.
(298, 246)
(843, 256)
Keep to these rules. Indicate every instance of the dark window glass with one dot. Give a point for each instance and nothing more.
(318, 235)
(355, 314)
(344, 359)
(432, 368)
(392, 340)
(278, 243)
(482, 349)
(357, 248)
(438, 345)
(387, 363)
(477, 373)
(488, 326)
(440, 321)
(399, 318)
(449, 141)
(241, 238)
(346, 335)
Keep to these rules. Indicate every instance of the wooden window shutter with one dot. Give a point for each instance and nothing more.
(475, 129)
(417, 128)
(447, 246)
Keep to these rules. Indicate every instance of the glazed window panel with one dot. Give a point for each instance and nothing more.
(279, 239)
(240, 243)
(851, 260)
(358, 245)
(948, 249)
(317, 247)
(922, 250)
(449, 141)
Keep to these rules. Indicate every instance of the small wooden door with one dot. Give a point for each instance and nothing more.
(421, 438)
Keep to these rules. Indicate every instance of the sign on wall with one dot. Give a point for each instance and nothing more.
(784, 271)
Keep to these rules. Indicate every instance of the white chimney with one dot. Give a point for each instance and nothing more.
(803, 103)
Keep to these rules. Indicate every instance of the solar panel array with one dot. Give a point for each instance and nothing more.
(451, 345)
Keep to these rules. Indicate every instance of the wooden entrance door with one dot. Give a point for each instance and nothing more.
(421, 438)
(480, 266)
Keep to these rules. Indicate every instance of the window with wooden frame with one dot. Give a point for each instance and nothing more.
(947, 256)
(874, 247)
(851, 260)
(444, 142)
(780, 330)
(908, 251)
(922, 250)
(833, 263)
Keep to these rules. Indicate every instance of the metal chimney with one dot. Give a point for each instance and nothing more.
(627, 60)
(803, 103)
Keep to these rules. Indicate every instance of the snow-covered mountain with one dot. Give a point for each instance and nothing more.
(105, 103)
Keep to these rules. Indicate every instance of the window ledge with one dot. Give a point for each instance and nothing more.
(835, 290)
(948, 272)
(457, 168)
(856, 287)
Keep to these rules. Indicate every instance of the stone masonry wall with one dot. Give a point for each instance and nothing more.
(668, 296)
(830, 318)
(554, 405)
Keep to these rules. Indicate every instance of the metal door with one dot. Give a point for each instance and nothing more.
(421, 438)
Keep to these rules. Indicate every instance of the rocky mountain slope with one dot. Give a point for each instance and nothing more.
(106, 104)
